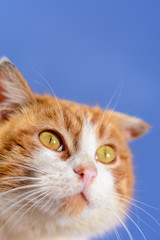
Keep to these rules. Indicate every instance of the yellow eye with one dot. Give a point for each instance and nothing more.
(51, 140)
(105, 154)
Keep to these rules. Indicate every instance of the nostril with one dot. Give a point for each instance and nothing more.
(80, 171)
(81, 174)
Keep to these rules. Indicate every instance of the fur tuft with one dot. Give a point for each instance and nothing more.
(4, 60)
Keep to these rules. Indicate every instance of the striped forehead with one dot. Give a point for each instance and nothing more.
(89, 139)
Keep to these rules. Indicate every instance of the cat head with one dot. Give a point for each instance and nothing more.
(67, 162)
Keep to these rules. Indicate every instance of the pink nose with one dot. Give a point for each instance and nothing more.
(87, 175)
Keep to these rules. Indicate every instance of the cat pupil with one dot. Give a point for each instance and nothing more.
(50, 139)
(105, 154)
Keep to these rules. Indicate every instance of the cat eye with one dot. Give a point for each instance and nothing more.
(51, 140)
(105, 154)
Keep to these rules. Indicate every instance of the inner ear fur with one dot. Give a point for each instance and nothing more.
(131, 127)
(14, 90)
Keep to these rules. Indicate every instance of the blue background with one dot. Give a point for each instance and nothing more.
(84, 49)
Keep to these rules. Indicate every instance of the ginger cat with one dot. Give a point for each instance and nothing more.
(65, 168)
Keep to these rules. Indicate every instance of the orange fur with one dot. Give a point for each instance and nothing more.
(74, 205)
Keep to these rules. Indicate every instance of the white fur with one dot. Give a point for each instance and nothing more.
(89, 139)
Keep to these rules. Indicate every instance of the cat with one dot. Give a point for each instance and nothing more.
(65, 169)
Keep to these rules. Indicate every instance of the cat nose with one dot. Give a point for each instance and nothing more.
(87, 175)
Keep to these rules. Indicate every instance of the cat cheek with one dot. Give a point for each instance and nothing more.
(57, 172)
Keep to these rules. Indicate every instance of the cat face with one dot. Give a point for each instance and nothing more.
(64, 162)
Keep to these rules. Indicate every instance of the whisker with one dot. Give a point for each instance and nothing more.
(19, 188)
(111, 99)
(21, 200)
(144, 222)
(45, 80)
(19, 179)
(133, 199)
(117, 234)
(140, 209)
(118, 97)
(24, 165)
(41, 199)
(49, 202)
(128, 232)
(28, 209)
(134, 223)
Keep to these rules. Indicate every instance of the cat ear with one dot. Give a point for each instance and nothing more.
(132, 127)
(14, 90)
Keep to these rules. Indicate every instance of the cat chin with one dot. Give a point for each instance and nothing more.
(74, 205)
(81, 220)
